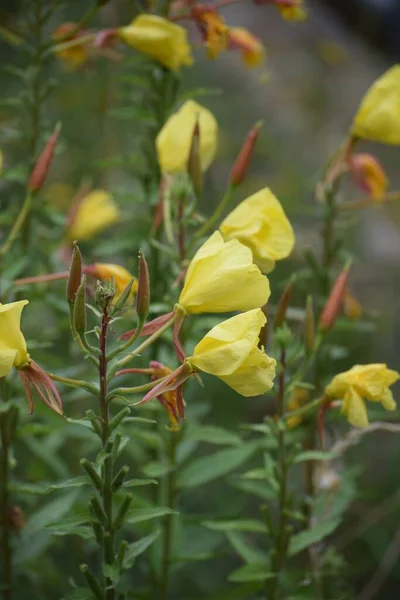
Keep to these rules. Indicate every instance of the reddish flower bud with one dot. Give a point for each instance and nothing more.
(43, 163)
(194, 160)
(143, 290)
(242, 163)
(75, 274)
(334, 303)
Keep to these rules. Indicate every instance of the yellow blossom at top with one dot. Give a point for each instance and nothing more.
(360, 383)
(121, 276)
(13, 351)
(222, 277)
(253, 51)
(378, 116)
(175, 138)
(95, 212)
(230, 351)
(164, 41)
(260, 223)
(292, 10)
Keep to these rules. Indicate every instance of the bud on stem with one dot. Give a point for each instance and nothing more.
(334, 303)
(75, 274)
(143, 292)
(242, 163)
(44, 161)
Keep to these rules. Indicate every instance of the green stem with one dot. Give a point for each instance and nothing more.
(217, 213)
(168, 519)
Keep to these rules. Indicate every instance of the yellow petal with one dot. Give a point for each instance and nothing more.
(378, 117)
(121, 276)
(96, 211)
(260, 223)
(13, 351)
(159, 38)
(222, 278)
(354, 407)
(175, 138)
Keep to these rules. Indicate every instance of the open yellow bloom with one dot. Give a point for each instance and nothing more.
(230, 351)
(164, 41)
(13, 351)
(360, 383)
(253, 51)
(95, 212)
(260, 223)
(222, 278)
(378, 116)
(175, 138)
(122, 277)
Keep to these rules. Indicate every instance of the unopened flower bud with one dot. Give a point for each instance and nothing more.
(334, 303)
(43, 163)
(75, 274)
(368, 174)
(143, 292)
(80, 307)
(194, 160)
(283, 304)
(309, 326)
(242, 163)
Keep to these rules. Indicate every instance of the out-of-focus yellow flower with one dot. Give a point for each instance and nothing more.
(157, 37)
(351, 306)
(292, 10)
(253, 51)
(297, 400)
(95, 212)
(260, 223)
(122, 277)
(378, 116)
(369, 175)
(230, 351)
(360, 383)
(13, 351)
(75, 56)
(222, 278)
(175, 138)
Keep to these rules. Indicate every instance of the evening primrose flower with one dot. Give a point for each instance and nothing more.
(378, 116)
(253, 51)
(121, 276)
(174, 141)
(360, 383)
(222, 277)
(13, 351)
(260, 223)
(95, 212)
(164, 41)
(230, 351)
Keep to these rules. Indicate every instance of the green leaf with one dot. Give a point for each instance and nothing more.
(303, 540)
(237, 525)
(137, 548)
(314, 455)
(243, 548)
(206, 469)
(145, 514)
(214, 435)
(251, 572)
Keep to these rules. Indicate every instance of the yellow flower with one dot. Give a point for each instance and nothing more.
(13, 351)
(378, 116)
(96, 211)
(360, 383)
(230, 351)
(253, 51)
(164, 41)
(222, 278)
(121, 276)
(175, 138)
(292, 10)
(260, 223)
